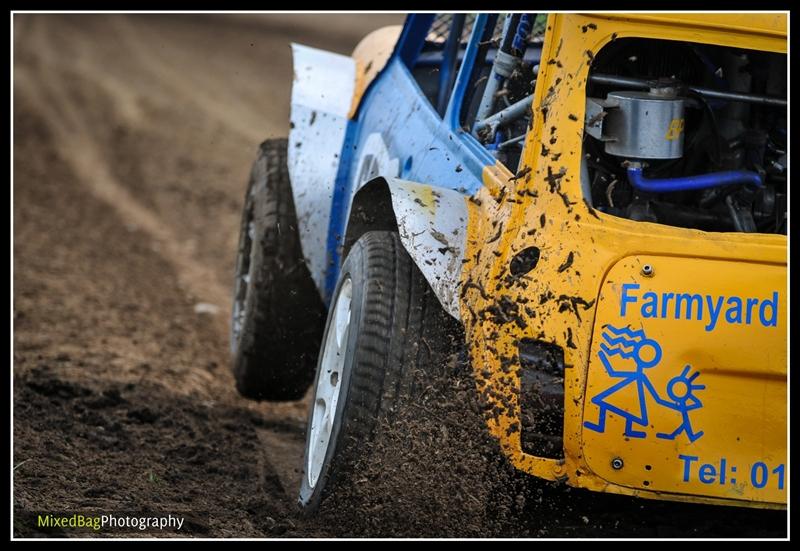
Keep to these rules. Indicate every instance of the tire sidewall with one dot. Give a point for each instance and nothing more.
(254, 204)
(248, 214)
(353, 268)
(281, 314)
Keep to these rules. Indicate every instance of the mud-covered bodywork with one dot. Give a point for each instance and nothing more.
(395, 135)
(656, 352)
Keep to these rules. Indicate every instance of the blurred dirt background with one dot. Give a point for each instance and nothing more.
(133, 140)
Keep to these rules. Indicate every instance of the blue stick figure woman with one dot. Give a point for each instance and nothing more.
(681, 388)
(634, 384)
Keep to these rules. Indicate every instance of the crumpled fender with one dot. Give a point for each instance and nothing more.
(432, 223)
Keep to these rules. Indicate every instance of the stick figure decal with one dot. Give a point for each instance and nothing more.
(626, 355)
(681, 388)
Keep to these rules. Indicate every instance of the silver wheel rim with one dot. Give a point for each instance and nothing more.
(329, 383)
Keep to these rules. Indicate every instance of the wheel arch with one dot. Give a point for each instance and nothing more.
(431, 222)
(370, 210)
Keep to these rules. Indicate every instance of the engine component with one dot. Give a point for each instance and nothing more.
(708, 93)
(504, 63)
(685, 183)
(506, 116)
(508, 58)
(641, 211)
(741, 215)
(644, 125)
(706, 124)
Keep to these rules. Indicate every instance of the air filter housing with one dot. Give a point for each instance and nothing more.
(644, 125)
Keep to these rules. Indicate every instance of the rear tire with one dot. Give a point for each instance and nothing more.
(278, 315)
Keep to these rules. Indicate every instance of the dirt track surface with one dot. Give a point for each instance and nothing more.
(134, 137)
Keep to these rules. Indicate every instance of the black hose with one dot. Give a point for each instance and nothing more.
(714, 126)
(688, 217)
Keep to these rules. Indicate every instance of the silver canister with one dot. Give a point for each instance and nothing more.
(644, 125)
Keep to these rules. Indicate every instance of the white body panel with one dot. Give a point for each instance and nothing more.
(322, 92)
(432, 223)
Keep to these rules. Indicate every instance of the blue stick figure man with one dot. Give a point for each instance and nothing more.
(681, 388)
(634, 384)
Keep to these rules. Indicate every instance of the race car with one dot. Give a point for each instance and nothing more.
(599, 202)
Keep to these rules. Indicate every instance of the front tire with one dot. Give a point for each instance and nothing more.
(385, 328)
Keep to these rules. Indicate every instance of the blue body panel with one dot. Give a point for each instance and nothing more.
(430, 149)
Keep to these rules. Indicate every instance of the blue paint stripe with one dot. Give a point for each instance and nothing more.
(340, 207)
